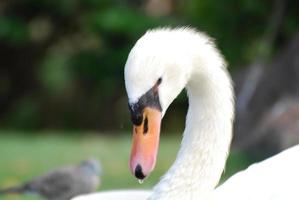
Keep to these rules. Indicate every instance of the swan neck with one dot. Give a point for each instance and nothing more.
(207, 135)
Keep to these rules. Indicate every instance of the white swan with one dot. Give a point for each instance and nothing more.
(160, 65)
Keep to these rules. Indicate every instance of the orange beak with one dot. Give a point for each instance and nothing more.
(145, 143)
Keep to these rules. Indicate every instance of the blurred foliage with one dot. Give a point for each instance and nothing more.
(23, 158)
(62, 61)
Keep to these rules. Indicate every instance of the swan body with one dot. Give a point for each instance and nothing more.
(159, 66)
(117, 195)
(275, 178)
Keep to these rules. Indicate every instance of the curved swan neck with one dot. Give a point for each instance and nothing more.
(207, 136)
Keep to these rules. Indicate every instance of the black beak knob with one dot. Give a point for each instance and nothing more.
(138, 172)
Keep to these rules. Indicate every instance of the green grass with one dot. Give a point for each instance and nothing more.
(23, 156)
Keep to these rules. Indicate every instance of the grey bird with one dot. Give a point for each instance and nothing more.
(62, 183)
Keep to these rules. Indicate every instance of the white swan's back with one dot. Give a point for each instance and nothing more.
(275, 178)
(117, 195)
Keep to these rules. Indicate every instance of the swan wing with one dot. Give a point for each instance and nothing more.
(116, 195)
(276, 178)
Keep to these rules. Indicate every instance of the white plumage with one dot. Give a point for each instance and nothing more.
(117, 195)
(275, 178)
(184, 58)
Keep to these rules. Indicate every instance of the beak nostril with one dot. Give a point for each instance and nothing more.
(145, 126)
(138, 172)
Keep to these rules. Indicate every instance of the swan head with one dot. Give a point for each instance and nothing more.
(155, 73)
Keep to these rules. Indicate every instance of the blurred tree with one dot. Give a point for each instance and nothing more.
(62, 61)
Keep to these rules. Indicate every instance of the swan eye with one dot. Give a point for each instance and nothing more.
(156, 86)
(159, 81)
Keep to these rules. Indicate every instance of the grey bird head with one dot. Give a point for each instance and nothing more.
(91, 165)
